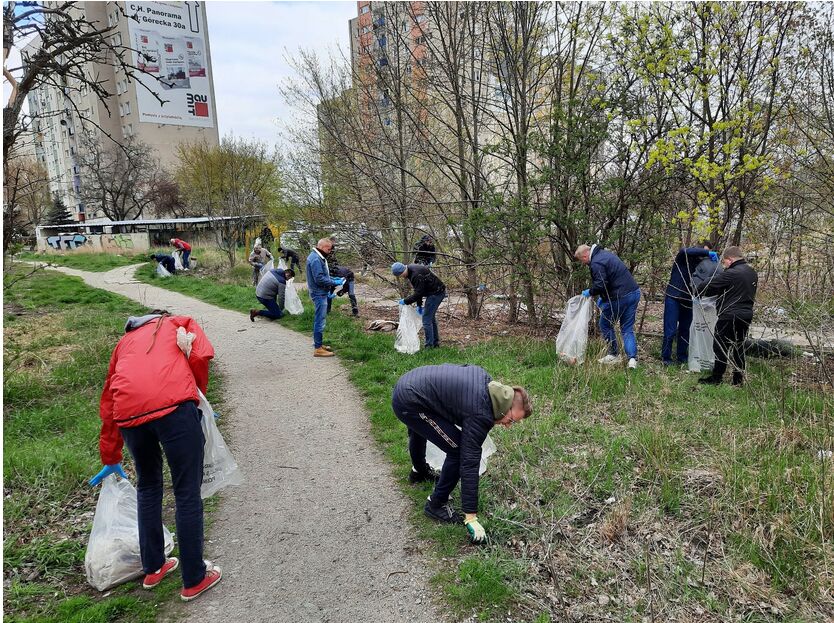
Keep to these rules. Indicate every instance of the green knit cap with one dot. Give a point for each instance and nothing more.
(501, 397)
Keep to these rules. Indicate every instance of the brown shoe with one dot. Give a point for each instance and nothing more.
(252, 314)
(328, 349)
(321, 352)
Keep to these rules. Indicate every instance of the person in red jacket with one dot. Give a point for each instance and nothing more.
(150, 400)
(182, 245)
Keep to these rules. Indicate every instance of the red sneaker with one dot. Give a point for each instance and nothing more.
(213, 575)
(152, 579)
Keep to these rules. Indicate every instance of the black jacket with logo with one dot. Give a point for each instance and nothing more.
(735, 289)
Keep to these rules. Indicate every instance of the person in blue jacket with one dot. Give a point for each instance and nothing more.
(319, 286)
(677, 305)
(619, 296)
(454, 407)
(166, 260)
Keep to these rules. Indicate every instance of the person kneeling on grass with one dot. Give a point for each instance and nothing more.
(433, 401)
(270, 292)
(150, 400)
(167, 261)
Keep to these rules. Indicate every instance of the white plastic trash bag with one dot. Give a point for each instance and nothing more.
(408, 340)
(573, 334)
(178, 260)
(292, 302)
(282, 264)
(162, 271)
(435, 456)
(265, 269)
(219, 467)
(113, 550)
(701, 332)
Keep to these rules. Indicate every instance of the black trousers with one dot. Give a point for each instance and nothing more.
(728, 344)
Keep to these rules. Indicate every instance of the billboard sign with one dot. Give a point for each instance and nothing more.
(169, 42)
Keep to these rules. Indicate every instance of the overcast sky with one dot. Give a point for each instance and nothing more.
(249, 43)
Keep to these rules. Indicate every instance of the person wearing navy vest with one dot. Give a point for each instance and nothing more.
(619, 296)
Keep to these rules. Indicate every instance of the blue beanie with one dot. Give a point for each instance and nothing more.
(398, 268)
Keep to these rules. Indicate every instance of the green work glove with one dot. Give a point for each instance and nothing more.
(477, 534)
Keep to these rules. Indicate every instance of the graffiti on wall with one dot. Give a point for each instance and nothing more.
(122, 241)
(67, 241)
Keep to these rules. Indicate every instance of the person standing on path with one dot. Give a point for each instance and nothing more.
(150, 400)
(677, 305)
(426, 285)
(270, 293)
(454, 407)
(619, 296)
(736, 291)
(319, 285)
(185, 248)
(259, 258)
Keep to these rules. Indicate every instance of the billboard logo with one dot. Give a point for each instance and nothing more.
(197, 105)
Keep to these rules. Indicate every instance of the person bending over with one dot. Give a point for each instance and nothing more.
(270, 293)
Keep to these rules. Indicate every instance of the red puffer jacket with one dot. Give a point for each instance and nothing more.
(149, 377)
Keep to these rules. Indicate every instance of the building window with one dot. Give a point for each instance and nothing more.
(364, 9)
(127, 108)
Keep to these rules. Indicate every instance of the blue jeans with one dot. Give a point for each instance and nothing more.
(677, 318)
(624, 311)
(273, 311)
(319, 319)
(185, 256)
(182, 440)
(429, 321)
(424, 425)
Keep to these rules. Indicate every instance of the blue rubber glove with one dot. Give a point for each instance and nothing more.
(586, 293)
(331, 295)
(419, 311)
(401, 301)
(338, 281)
(713, 256)
(106, 471)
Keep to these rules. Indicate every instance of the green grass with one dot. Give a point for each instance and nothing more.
(58, 336)
(94, 262)
(733, 467)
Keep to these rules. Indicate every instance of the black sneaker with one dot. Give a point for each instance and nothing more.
(709, 380)
(444, 513)
(738, 379)
(427, 475)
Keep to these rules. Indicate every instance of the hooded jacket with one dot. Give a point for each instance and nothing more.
(686, 263)
(424, 282)
(424, 251)
(149, 376)
(736, 288)
(460, 395)
(611, 278)
(705, 272)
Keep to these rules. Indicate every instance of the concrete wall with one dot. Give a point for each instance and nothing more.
(95, 243)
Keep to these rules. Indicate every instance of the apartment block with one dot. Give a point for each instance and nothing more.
(171, 49)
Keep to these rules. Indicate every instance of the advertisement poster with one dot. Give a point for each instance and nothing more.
(169, 39)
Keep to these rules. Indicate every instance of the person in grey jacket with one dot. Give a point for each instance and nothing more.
(259, 258)
(454, 407)
(270, 292)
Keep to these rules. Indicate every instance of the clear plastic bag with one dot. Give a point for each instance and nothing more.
(292, 302)
(178, 260)
(701, 332)
(282, 264)
(162, 271)
(408, 340)
(265, 269)
(219, 467)
(572, 340)
(435, 456)
(113, 549)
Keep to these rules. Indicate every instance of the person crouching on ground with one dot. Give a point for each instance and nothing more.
(270, 293)
(426, 285)
(167, 261)
(150, 400)
(319, 285)
(433, 401)
(259, 258)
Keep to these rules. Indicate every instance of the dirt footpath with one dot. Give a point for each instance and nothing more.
(318, 532)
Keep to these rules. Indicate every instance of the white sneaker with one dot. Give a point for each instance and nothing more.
(609, 359)
(632, 363)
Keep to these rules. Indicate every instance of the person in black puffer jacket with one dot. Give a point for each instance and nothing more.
(736, 291)
(427, 286)
(454, 407)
